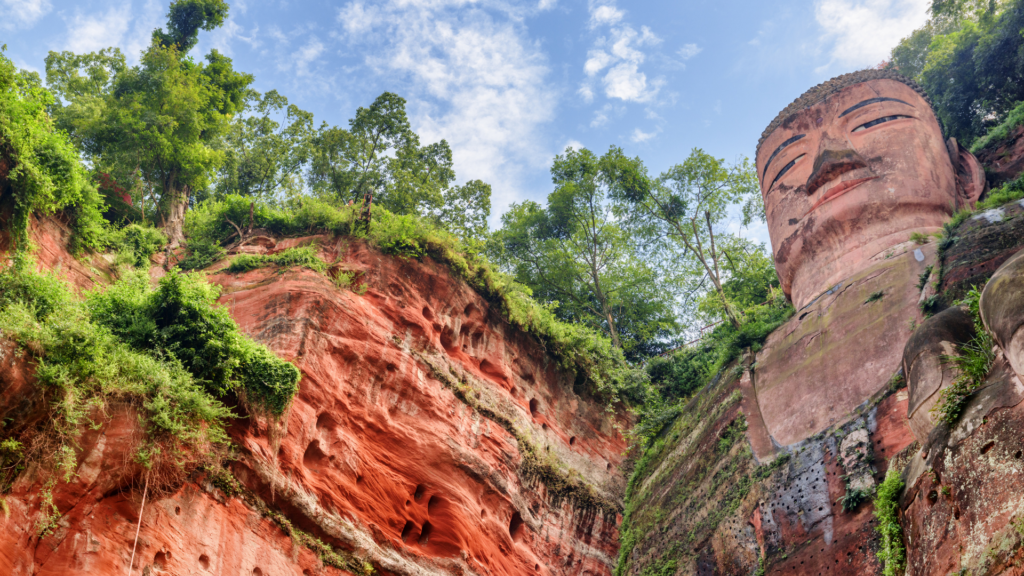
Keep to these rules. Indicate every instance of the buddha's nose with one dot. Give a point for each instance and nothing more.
(834, 159)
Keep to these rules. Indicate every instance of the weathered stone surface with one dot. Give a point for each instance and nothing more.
(841, 349)
(925, 368)
(1002, 309)
(382, 455)
(963, 505)
(981, 244)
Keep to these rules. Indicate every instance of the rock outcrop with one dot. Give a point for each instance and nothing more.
(428, 437)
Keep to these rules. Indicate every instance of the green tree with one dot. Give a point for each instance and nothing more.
(262, 154)
(573, 252)
(379, 157)
(40, 166)
(683, 208)
(465, 209)
(158, 120)
(969, 58)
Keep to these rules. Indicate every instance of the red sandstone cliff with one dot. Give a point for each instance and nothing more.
(404, 447)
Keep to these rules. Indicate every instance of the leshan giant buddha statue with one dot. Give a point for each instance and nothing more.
(852, 168)
(848, 172)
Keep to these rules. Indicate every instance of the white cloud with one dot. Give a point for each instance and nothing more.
(689, 51)
(625, 82)
(864, 31)
(470, 77)
(304, 57)
(601, 116)
(574, 144)
(620, 54)
(91, 33)
(21, 14)
(605, 15)
(586, 92)
(546, 4)
(641, 136)
(597, 60)
(357, 18)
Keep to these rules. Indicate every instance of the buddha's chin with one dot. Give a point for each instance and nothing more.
(843, 240)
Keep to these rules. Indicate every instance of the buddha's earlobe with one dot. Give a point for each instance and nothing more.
(970, 175)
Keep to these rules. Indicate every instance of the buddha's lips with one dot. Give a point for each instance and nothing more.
(840, 189)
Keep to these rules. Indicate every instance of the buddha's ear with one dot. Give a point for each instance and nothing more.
(970, 176)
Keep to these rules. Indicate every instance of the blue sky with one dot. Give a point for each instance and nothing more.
(510, 83)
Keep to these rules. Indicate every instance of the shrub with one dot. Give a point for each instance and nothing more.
(305, 256)
(180, 320)
(892, 552)
(999, 133)
(972, 365)
(1006, 193)
(83, 367)
(201, 254)
(136, 243)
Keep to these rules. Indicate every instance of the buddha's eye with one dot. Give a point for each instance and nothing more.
(877, 122)
(785, 169)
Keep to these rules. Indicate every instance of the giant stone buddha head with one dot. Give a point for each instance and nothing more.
(851, 169)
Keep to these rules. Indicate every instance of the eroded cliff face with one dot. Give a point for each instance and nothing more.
(428, 437)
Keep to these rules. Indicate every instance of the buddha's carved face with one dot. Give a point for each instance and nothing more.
(849, 178)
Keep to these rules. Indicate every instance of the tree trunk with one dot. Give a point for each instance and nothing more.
(174, 221)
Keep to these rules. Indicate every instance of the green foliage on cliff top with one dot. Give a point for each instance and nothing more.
(575, 346)
(168, 352)
(999, 133)
(40, 162)
(304, 256)
(84, 369)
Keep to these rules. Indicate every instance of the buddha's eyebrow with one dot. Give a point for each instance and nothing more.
(779, 149)
(872, 101)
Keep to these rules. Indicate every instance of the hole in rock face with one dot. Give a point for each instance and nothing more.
(204, 561)
(513, 391)
(314, 458)
(537, 567)
(425, 533)
(515, 527)
(435, 504)
(608, 466)
(988, 446)
(572, 441)
(534, 407)
(933, 497)
(428, 314)
(160, 560)
(418, 495)
(544, 426)
(409, 527)
(408, 502)
(483, 513)
(1018, 454)
(325, 422)
(306, 572)
(359, 479)
(448, 340)
(177, 510)
(470, 309)
(257, 572)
